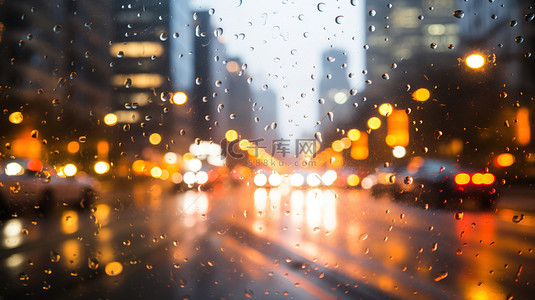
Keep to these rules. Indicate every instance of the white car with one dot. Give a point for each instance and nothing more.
(28, 185)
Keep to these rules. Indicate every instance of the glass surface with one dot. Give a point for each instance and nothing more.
(228, 149)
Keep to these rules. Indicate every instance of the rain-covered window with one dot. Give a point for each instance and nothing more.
(332, 149)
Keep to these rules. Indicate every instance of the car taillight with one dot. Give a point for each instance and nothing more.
(483, 178)
(462, 179)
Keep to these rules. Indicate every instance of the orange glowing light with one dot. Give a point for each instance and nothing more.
(462, 178)
(505, 160)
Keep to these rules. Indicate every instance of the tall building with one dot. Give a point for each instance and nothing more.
(55, 77)
(139, 54)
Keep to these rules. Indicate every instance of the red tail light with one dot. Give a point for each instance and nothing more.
(462, 179)
(483, 178)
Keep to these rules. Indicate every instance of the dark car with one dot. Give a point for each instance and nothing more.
(29, 184)
(442, 183)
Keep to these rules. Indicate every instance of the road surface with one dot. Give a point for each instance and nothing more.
(144, 241)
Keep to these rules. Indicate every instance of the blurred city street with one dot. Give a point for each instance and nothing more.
(261, 243)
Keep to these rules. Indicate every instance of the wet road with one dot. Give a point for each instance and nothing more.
(147, 242)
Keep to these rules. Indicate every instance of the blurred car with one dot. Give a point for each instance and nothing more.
(438, 183)
(27, 184)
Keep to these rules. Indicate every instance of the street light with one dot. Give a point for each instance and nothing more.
(180, 98)
(110, 119)
(421, 94)
(475, 61)
(374, 123)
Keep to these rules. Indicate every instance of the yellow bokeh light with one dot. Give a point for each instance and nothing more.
(155, 138)
(374, 123)
(338, 146)
(69, 221)
(180, 98)
(385, 109)
(231, 135)
(110, 119)
(353, 180)
(475, 61)
(102, 167)
(505, 160)
(113, 268)
(353, 134)
(73, 147)
(70, 170)
(244, 144)
(138, 166)
(16, 117)
(421, 94)
(156, 172)
(346, 142)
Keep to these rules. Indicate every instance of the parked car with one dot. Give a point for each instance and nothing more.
(440, 183)
(29, 185)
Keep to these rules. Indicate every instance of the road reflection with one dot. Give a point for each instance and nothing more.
(313, 242)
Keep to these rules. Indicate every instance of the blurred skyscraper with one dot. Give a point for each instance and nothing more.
(55, 74)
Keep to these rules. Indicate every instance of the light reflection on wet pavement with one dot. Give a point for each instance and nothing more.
(266, 243)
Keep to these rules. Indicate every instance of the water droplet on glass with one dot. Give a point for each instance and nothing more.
(232, 116)
(518, 219)
(265, 87)
(120, 54)
(164, 36)
(459, 14)
(408, 180)
(459, 215)
(519, 39)
(513, 23)
(392, 178)
(57, 29)
(331, 116)
(23, 277)
(322, 6)
(433, 45)
(128, 83)
(54, 257)
(218, 83)
(321, 101)
(339, 19)
(218, 32)
(371, 28)
(529, 17)
(92, 263)
(220, 107)
(385, 76)
(363, 236)
(441, 275)
(248, 293)
(318, 137)
(372, 13)
(165, 96)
